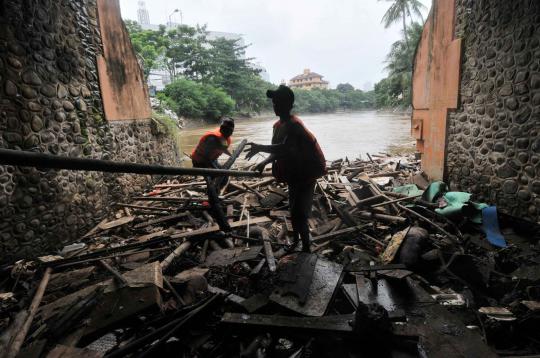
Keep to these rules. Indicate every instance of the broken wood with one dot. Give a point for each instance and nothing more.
(17, 340)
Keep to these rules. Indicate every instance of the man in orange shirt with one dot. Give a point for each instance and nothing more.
(297, 159)
(212, 145)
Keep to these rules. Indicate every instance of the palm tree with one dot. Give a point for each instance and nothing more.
(400, 10)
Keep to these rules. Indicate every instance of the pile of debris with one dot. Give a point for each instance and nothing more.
(398, 267)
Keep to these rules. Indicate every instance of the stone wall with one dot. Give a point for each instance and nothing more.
(50, 101)
(493, 145)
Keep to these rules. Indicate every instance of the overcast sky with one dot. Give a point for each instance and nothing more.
(343, 40)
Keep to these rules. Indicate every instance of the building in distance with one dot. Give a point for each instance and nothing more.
(308, 80)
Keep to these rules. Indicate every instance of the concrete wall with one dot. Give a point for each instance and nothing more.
(51, 101)
(435, 86)
(123, 88)
(491, 141)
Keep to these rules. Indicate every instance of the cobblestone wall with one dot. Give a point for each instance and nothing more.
(50, 102)
(494, 137)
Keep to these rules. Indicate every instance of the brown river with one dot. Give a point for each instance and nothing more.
(340, 135)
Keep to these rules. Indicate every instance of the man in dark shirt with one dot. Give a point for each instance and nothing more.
(296, 158)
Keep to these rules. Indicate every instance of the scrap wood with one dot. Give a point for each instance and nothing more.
(331, 235)
(165, 330)
(142, 207)
(263, 234)
(385, 174)
(358, 222)
(395, 201)
(225, 257)
(187, 275)
(62, 351)
(177, 252)
(215, 228)
(181, 185)
(161, 220)
(115, 223)
(423, 218)
(337, 323)
(121, 280)
(381, 217)
(21, 330)
(95, 229)
(394, 245)
(326, 276)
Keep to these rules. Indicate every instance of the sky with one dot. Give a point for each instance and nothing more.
(343, 40)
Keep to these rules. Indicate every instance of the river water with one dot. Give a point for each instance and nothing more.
(339, 134)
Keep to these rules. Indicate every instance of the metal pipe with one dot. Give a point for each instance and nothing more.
(49, 161)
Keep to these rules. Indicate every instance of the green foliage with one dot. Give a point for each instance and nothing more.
(149, 45)
(395, 90)
(196, 100)
(399, 11)
(186, 53)
(345, 87)
(330, 100)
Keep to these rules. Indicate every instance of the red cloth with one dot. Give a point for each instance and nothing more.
(198, 154)
(304, 160)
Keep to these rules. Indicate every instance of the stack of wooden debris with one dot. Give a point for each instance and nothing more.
(159, 277)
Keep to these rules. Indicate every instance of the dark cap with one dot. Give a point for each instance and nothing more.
(283, 95)
(227, 122)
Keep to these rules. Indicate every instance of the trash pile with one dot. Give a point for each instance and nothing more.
(399, 267)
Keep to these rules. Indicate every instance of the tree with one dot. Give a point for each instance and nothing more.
(400, 10)
(187, 53)
(232, 71)
(395, 90)
(149, 45)
(195, 100)
(345, 87)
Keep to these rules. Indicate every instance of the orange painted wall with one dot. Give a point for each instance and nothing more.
(435, 86)
(123, 89)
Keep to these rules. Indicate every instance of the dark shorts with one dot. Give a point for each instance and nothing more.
(301, 199)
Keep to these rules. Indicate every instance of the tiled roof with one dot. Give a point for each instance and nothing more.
(303, 76)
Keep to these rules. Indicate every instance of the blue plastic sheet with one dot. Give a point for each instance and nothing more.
(490, 226)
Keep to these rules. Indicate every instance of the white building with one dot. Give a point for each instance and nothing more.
(142, 14)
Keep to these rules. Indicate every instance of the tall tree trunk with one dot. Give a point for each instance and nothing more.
(405, 27)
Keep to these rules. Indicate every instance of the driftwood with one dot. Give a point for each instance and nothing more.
(20, 333)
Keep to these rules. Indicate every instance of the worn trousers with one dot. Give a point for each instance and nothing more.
(216, 210)
(300, 203)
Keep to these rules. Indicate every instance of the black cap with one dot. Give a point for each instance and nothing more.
(227, 122)
(283, 95)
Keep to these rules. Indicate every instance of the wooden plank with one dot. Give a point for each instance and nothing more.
(227, 257)
(95, 229)
(215, 228)
(61, 351)
(142, 207)
(160, 220)
(382, 217)
(395, 201)
(385, 174)
(115, 223)
(337, 323)
(182, 185)
(331, 235)
(394, 245)
(151, 235)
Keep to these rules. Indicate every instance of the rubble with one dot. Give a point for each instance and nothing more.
(389, 274)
